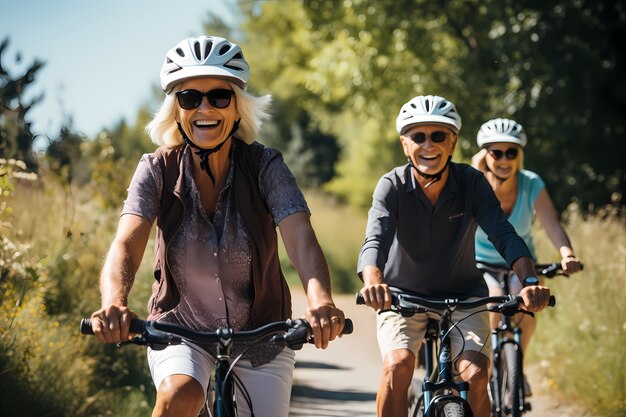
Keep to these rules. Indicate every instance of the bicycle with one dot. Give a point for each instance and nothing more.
(221, 396)
(506, 386)
(441, 395)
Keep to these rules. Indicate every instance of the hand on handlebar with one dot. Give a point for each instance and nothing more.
(377, 296)
(326, 323)
(112, 324)
(571, 265)
(535, 297)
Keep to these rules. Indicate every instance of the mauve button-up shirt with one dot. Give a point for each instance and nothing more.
(211, 258)
(429, 249)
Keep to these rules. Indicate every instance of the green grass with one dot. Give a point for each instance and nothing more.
(580, 345)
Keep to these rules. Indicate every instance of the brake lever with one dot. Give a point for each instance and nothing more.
(137, 340)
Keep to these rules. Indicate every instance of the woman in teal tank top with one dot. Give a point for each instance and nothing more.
(522, 194)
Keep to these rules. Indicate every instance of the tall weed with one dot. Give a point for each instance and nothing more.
(581, 343)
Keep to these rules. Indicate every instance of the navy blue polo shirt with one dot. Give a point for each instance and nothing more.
(430, 249)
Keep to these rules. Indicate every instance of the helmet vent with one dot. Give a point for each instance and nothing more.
(180, 52)
(427, 105)
(207, 48)
(224, 49)
(197, 51)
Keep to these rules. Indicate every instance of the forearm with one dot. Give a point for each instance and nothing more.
(117, 277)
(524, 267)
(307, 257)
(372, 275)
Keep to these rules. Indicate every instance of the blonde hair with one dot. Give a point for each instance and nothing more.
(478, 160)
(163, 128)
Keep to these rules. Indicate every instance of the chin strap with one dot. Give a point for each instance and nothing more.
(204, 153)
(435, 177)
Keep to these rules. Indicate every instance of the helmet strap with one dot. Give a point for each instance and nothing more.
(434, 177)
(204, 153)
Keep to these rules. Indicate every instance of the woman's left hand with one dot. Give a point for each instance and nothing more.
(326, 322)
(571, 265)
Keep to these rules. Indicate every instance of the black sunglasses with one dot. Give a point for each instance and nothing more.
(497, 154)
(437, 136)
(191, 99)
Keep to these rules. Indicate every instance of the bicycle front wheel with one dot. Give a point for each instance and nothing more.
(510, 381)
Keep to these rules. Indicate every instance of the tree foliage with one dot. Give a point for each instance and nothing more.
(556, 67)
(16, 138)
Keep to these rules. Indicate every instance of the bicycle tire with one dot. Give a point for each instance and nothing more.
(452, 409)
(510, 381)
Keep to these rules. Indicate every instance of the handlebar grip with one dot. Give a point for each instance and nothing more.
(348, 327)
(552, 301)
(85, 326)
(359, 299)
(136, 326)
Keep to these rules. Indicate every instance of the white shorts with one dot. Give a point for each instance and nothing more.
(495, 279)
(397, 332)
(268, 386)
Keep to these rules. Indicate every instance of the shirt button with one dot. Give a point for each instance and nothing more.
(214, 253)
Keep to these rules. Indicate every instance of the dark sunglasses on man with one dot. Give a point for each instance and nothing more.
(497, 154)
(437, 136)
(191, 99)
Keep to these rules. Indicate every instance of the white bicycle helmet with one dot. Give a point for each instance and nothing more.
(501, 130)
(428, 109)
(202, 56)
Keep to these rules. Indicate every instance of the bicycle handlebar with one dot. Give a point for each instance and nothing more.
(551, 270)
(293, 333)
(402, 301)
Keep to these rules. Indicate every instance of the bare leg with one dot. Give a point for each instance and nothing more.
(474, 368)
(180, 396)
(398, 367)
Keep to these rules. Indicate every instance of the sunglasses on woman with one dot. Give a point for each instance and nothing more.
(437, 136)
(191, 99)
(510, 153)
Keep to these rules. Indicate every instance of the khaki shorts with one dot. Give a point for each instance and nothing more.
(397, 332)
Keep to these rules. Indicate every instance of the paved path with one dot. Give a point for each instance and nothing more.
(342, 380)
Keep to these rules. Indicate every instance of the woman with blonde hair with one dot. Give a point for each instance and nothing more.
(217, 197)
(522, 195)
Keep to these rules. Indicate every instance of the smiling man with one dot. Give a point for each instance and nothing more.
(420, 237)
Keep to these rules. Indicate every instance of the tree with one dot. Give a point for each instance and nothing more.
(556, 67)
(16, 138)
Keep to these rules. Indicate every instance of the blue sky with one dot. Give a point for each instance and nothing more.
(102, 57)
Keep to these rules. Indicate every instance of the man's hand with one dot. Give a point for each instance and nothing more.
(535, 297)
(326, 322)
(112, 324)
(377, 296)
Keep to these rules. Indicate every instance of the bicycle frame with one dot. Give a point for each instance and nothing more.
(503, 344)
(437, 330)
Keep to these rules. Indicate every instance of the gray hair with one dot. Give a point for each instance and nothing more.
(163, 128)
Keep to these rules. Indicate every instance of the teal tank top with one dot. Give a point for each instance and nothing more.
(529, 185)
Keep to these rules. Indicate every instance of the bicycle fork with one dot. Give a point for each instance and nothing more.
(445, 380)
(499, 340)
